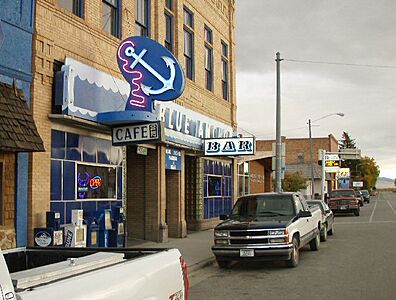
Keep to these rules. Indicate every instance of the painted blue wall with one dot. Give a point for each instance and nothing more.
(17, 25)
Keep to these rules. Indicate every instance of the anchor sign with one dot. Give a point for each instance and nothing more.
(151, 70)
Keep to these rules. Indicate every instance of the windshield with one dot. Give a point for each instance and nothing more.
(342, 193)
(263, 206)
(318, 203)
(365, 193)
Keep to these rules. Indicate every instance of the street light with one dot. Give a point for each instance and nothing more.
(311, 147)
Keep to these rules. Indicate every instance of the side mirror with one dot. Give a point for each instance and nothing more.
(223, 217)
(304, 214)
(328, 211)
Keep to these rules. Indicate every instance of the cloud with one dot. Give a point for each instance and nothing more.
(354, 32)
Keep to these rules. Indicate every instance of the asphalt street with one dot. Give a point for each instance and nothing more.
(357, 262)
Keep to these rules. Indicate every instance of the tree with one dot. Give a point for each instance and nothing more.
(293, 182)
(368, 172)
(346, 141)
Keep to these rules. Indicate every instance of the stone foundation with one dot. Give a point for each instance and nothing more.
(7, 238)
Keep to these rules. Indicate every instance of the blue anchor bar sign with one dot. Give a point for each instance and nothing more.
(152, 72)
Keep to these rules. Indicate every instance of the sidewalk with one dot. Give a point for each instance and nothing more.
(195, 248)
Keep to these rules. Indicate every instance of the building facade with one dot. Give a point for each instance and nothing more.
(166, 187)
(298, 159)
(18, 134)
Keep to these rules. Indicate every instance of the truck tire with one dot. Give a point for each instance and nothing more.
(331, 231)
(356, 212)
(223, 264)
(323, 233)
(314, 244)
(295, 256)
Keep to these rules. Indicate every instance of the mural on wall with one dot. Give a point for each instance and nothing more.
(151, 71)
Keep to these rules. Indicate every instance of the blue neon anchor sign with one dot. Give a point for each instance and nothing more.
(152, 72)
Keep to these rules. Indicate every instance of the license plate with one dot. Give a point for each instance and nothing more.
(246, 252)
(343, 207)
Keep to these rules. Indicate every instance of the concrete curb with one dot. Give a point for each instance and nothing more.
(200, 265)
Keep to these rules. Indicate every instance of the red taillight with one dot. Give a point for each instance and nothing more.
(185, 277)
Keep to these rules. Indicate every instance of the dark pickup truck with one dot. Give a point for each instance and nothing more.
(268, 226)
(344, 201)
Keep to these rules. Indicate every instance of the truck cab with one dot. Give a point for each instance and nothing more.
(344, 201)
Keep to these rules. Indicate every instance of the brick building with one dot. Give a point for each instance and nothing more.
(18, 133)
(75, 69)
(298, 158)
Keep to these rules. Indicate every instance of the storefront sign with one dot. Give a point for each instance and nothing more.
(43, 239)
(173, 159)
(229, 146)
(357, 184)
(152, 71)
(133, 134)
(142, 150)
(332, 166)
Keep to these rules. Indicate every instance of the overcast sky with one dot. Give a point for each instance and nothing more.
(353, 32)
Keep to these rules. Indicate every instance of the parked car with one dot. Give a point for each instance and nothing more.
(88, 273)
(268, 226)
(327, 218)
(360, 197)
(366, 196)
(344, 201)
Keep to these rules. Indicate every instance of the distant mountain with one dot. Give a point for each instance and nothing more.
(385, 183)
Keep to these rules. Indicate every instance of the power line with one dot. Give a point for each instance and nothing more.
(339, 63)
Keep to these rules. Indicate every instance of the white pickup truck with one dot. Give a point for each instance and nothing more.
(268, 226)
(71, 274)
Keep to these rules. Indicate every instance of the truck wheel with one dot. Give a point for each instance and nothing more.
(314, 244)
(323, 234)
(331, 231)
(356, 212)
(223, 264)
(295, 256)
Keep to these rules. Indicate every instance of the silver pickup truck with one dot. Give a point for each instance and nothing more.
(268, 226)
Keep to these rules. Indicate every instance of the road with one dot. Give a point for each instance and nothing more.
(357, 262)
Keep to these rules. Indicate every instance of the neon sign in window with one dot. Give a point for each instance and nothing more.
(96, 182)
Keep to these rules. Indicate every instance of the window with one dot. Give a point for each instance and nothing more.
(74, 6)
(214, 186)
(169, 4)
(224, 70)
(1, 193)
(243, 179)
(141, 23)
(169, 26)
(208, 58)
(110, 17)
(96, 182)
(189, 43)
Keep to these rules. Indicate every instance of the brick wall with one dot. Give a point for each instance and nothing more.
(59, 33)
(257, 179)
(298, 150)
(7, 228)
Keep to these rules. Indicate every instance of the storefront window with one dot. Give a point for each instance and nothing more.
(86, 174)
(243, 179)
(217, 188)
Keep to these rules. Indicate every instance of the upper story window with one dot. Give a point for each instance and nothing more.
(110, 17)
(224, 70)
(188, 29)
(169, 25)
(142, 18)
(74, 6)
(169, 4)
(208, 58)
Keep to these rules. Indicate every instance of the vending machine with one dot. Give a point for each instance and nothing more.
(117, 236)
(103, 218)
(76, 232)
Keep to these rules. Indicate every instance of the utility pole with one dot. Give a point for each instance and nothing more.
(278, 169)
(311, 159)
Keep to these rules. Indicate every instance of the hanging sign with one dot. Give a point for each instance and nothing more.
(173, 159)
(152, 71)
(134, 134)
(229, 146)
